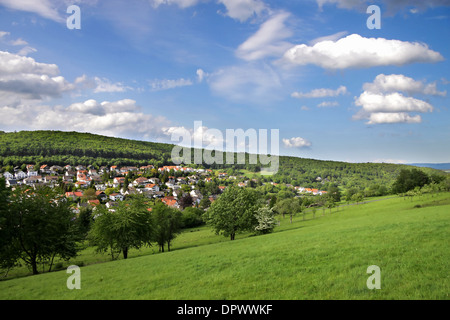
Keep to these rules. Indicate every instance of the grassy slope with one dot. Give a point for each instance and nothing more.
(325, 258)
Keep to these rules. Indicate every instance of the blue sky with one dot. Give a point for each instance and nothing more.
(143, 69)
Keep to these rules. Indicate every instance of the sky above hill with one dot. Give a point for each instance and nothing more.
(334, 87)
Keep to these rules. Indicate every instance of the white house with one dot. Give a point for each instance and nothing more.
(116, 196)
(152, 187)
(32, 173)
(20, 175)
(8, 176)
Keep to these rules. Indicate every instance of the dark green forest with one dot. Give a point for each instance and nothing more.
(74, 148)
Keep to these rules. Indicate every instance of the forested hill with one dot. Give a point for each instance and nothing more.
(74, 148)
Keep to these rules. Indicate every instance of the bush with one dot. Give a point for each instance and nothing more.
(192, 217)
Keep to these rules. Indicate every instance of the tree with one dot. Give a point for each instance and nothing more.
(167, 224)
(186, 201)
(40, 227)
(128, 226)
(266, 220)
(234, 211)
(409, 179)
(8, 255)
(192, 217)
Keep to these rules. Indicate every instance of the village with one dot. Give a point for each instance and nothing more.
(91, 187)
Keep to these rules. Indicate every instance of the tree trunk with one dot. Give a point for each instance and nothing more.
(34, 266)
(232, 236)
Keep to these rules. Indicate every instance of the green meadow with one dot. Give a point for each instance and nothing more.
(325, 257)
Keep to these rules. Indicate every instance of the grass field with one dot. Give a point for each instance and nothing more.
(322, 258)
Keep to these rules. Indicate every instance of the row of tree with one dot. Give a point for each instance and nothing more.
(38, 225)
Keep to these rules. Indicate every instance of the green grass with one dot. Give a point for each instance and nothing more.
(322, 258)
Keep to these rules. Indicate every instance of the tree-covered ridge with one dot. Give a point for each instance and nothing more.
(61, 148)
(74, 148)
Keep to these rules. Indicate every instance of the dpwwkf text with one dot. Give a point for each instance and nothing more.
(225, 309)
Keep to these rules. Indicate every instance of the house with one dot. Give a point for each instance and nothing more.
(44, 169)
(222, 175)
(74, 195)
(49, 179)
(116, 196)
(101, 195)
(32, 173)
(31, 180)
(81, 184)
(170, 202)
(141, 181)
(222, 188)
(119, 180)
(8, 175)
(20, 175)
(94, 203)
(11, 182)
(152, 187)
(113, 168)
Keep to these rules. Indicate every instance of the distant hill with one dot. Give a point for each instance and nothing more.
(438, 166)
(74, 148)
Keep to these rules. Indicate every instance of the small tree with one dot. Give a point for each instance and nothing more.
(129, 225)
(234, 211)
(266, 220)
(167, 224)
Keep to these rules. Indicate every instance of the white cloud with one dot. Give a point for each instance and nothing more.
(268, 40)
(399, 82)
(401, 117)
(22, 78)
(332, 37)
(158, 85)
(181, 3)
(26, 51)
(392, 102)
(201, 75)
(392, 6)
(14, 64)
(243, 10)
(321, 93)
(355, 51)
(118, 118)
(45, 8)
(327, 104)
(383, 101)
(105, 85)
(296, 142)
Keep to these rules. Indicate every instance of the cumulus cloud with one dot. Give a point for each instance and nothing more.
(117, 118)
(355, 51)
(268, 40)
(383, 101)
(22, 78)
(392, 102)
(399, 82)
(296, 142)
(321, 93)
